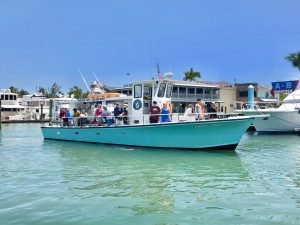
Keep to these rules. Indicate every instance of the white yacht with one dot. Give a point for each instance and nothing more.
(37, 106)
(10, 108)
(284, 119)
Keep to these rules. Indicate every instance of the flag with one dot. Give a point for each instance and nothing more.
(159, 76)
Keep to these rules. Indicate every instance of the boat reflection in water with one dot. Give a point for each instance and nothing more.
(143, 181)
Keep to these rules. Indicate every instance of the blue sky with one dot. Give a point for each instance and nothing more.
(42, 42)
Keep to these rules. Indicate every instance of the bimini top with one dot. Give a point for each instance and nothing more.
(105, 95)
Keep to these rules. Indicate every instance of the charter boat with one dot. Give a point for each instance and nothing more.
(220, 133)
(284, 119)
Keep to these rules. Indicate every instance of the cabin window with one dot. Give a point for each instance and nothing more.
(169, 91)
(138, 91)
(199, 91)
(175, 90)
(147, 93)
(2, 97)
(161, 90)
(6, 97)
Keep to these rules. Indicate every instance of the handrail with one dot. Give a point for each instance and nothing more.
(257, 105)
(144, 119)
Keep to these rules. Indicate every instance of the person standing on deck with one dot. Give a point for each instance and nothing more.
(199, 110)
(68, 117)
(212, 110)
(98, 114)
(154, 112)
(165, 117)
(118, 111)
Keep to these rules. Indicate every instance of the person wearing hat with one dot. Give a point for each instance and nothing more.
(154, 112)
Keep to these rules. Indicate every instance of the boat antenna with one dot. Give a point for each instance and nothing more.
(87, 86)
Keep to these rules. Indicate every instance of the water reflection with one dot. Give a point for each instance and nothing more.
(79, 183)
(147, 180)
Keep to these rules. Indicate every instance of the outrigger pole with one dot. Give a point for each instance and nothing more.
(87, 86)
(96, 77)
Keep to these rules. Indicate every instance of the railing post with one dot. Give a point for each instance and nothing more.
(50, 112)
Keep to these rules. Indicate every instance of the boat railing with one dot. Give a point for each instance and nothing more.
(145, 119)
(250, 106)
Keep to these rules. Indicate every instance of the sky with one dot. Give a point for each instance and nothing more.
(42, 42)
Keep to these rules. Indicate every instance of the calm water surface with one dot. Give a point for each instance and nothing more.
(55, 182)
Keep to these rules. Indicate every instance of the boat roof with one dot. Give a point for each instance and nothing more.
(13, 107)
(173, 82)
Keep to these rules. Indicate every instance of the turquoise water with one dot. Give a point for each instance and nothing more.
(55, 182)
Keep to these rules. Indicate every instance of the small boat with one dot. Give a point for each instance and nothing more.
(284, 119)
(224, 132)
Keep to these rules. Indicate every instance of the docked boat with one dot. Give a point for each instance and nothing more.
(220, 133)
(10, 107)
(284, 119)
(37, 105)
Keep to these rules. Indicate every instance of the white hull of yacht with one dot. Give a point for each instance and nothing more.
(280, 121)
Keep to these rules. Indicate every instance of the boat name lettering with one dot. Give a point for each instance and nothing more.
(207, 126)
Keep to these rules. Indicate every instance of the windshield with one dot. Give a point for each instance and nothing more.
(161, 90)
(169, 91)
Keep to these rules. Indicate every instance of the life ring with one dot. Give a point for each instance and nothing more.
(137, 104)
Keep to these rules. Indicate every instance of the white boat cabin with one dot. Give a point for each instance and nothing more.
(138, 104)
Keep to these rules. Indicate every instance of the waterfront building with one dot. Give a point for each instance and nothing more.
(227, 97)
(264, 95)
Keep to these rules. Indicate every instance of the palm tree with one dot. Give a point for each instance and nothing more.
(191, 75)
(294, 58)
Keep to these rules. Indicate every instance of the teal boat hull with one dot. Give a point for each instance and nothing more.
(218, 134)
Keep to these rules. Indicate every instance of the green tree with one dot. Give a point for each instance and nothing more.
(191, 75)
(294, 58)
(76, 91)
(54, 90)
(14, 89)
(85, 95)
(23, 92)
(43, 91)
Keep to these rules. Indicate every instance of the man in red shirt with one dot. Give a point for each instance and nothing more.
(154, 112)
